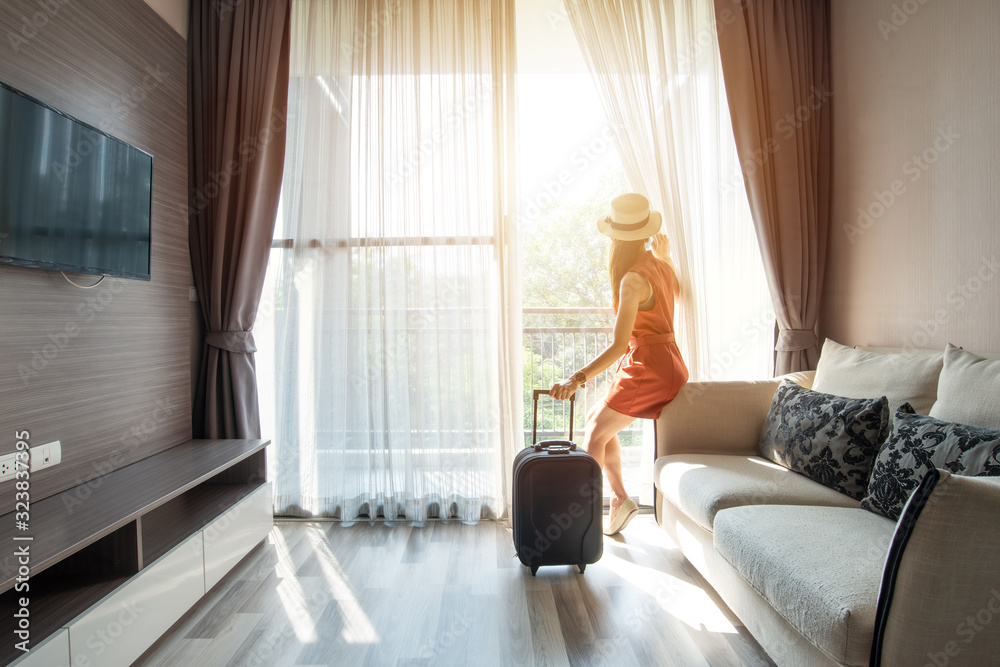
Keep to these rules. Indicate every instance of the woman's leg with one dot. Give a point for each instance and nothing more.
(601, 442)
(613, 469)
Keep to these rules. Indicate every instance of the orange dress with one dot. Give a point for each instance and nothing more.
(652, 371)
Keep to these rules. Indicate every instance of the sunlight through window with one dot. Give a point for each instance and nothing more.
(358, 629)
(291, 595)
(684, 601)
(569, 169)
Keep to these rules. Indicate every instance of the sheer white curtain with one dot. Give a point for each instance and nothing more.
(659, 76)
(394, 315)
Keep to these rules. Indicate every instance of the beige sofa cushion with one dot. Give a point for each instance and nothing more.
(718, 417)
(897, 350)
(701, 485)
(819, 567)
(902, 378)
(968, 390)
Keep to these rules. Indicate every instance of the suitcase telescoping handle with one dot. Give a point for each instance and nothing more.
(534, 420)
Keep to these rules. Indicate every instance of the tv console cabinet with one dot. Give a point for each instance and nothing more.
(117, 560)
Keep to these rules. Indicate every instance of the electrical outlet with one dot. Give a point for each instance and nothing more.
(7, 467)
(45, 456)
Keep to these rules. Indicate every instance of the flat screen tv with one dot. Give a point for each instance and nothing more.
(72, 198)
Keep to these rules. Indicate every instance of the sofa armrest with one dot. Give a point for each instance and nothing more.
(718, 417)
(940, 596)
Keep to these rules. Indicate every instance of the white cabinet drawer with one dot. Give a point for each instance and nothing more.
(230, 537)
(119, 628)
(52, 652)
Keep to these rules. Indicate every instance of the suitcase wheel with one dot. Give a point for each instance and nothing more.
(534, 569)
(582, 566)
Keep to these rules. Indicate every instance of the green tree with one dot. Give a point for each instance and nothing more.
(563, 258)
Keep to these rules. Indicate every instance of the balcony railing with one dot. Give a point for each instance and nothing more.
(557, 342)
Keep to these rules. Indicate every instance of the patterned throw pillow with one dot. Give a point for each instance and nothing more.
(830, 439)
(918, 444)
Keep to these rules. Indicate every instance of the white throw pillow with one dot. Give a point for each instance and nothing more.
(969, 389)
(902, 378)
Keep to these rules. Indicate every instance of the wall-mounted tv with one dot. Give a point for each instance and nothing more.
(72, 198)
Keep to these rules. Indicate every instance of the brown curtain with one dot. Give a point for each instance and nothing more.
(237, 101)
(776, 65)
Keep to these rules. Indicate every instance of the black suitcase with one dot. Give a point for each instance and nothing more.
(558, 501)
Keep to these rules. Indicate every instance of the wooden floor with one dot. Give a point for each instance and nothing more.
(453, 594)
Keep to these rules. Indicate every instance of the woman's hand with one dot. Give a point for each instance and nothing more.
(563, 390)
(660, 245)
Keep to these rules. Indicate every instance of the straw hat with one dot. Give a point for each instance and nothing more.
(629, 219)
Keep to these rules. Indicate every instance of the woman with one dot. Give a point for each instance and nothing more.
(651, 372)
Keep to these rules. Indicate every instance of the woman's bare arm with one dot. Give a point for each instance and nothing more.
(660, 245)
(634, 290)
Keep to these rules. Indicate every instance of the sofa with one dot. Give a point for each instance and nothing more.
(816, 577)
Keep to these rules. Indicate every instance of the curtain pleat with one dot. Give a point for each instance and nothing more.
(393, 293)
(776, 62)
(237, 91)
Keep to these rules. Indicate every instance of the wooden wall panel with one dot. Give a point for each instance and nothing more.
(118, 390)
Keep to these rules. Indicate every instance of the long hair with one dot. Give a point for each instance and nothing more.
(621, 258)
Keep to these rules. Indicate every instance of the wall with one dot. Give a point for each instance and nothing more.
(914, 257)
(175, 13)
(118, 389)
